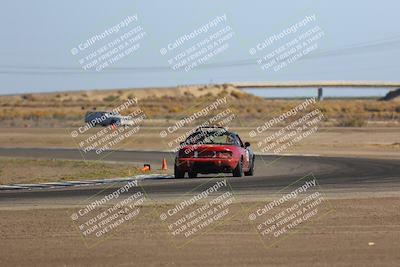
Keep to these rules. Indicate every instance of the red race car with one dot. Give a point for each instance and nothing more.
(214, 150)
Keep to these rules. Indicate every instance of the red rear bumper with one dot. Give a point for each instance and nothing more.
(206, 165)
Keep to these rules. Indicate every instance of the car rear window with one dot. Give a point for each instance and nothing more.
(211, 137)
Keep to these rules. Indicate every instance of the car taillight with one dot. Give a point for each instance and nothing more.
(225, 154)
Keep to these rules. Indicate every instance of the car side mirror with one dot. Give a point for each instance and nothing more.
(246, 144)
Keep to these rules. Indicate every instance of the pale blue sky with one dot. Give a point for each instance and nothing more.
(37, 37)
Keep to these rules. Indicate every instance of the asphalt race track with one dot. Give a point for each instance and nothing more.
(272, 174)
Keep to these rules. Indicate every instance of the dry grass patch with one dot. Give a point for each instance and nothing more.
(23, 170)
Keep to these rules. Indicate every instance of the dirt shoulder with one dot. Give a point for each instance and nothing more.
(378, 142)
(359, 232)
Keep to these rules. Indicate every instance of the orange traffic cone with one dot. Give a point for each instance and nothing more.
(164, 165)
(146, 168)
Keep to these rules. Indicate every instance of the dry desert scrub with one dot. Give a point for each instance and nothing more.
(68, 109)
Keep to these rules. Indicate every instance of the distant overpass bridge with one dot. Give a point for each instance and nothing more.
(317, 84)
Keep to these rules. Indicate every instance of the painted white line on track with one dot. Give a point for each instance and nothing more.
(288, 155)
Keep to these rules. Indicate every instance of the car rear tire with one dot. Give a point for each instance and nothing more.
(238, 171)
(178, 173)
(192, 174)
(251, 170)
